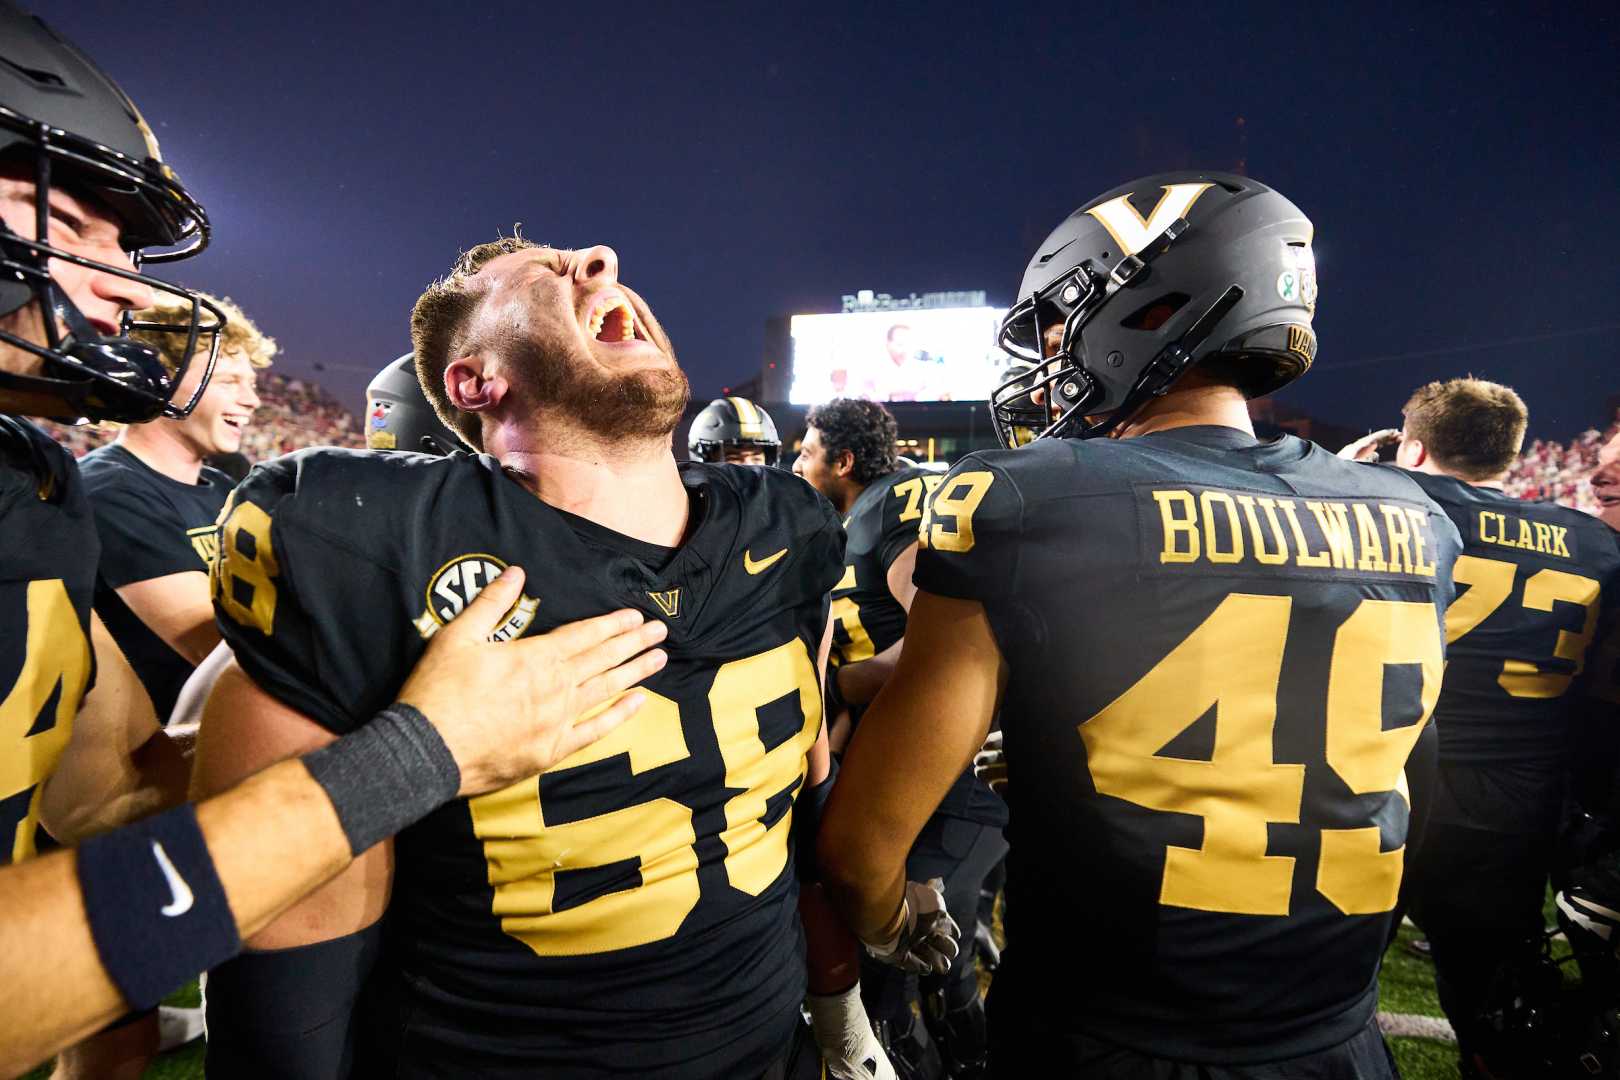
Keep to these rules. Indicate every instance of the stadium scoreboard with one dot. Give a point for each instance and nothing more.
(914, 348)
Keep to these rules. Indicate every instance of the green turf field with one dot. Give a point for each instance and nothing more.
(1406, 985)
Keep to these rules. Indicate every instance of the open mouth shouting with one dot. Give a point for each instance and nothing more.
(612, 320)
(235, 421)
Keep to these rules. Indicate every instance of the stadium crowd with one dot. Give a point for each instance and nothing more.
(1551, 471)
(718, 768)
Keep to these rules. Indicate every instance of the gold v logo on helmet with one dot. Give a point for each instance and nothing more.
(668, 602)
(1130, 230)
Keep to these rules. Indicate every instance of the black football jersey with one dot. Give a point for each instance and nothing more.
(1221, 654)
(868, 619)
(1534, 584)
(883, 522)
(151, 526)
(633, 909)
(47, 578)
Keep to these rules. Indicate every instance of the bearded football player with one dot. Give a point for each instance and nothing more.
(1541, 579)
(1213, 658)
(849, 456)
(631, 911)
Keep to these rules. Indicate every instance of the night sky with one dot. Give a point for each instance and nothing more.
(1462, 166)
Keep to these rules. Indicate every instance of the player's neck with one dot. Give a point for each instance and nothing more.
(1497, 483)
(844, 498)
(162, 450)
(631, 486)
(1203, 405)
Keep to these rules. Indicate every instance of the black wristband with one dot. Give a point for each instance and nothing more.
(156, 908)
(392, 772)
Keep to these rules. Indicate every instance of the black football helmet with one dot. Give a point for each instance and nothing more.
(1143, 282)
(64, 122)
(399, 415)
(732, 423)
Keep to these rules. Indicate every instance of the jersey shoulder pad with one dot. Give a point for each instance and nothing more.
(967, 540)
(52, 471)
(366, 501)
(780, 522)
(896, 509)
(764, 495)
(311, 547)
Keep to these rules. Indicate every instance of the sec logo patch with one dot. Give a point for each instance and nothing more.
(453, 586)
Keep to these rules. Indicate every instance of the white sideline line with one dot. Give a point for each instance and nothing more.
(1409, 1025)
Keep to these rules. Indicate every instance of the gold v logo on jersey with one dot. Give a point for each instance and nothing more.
(668, 602)
(759, 566)
(1130, 230)
(205, 542)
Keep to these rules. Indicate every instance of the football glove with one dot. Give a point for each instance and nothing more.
(925, 939)
(844, 1035)
(990, 764)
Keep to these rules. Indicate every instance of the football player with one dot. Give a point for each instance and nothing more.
(632, 910)
(156, 503)
(849, 456)
(733, 429)
(1536, 580)
(84, 194)
(77, 210)
(1213, 659)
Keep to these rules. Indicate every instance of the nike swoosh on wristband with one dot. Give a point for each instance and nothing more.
(177, 885)
(760, 566)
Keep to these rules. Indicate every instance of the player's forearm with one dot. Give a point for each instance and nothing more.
(46, 943)
(179, 610)
(58, 991)
(91, 793)
(865, 889)
(264, 871)
(832, 954)
(196, 642)
(860, 682)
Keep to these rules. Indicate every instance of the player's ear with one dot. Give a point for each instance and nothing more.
(471, 386)
(845, 465)
(1411, 454)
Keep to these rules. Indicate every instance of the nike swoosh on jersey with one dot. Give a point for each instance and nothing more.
(177, 885)
(760, 566)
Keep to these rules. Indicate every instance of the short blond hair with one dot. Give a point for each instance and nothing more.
(440, 325)
(239, 335)
(1473, 429)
